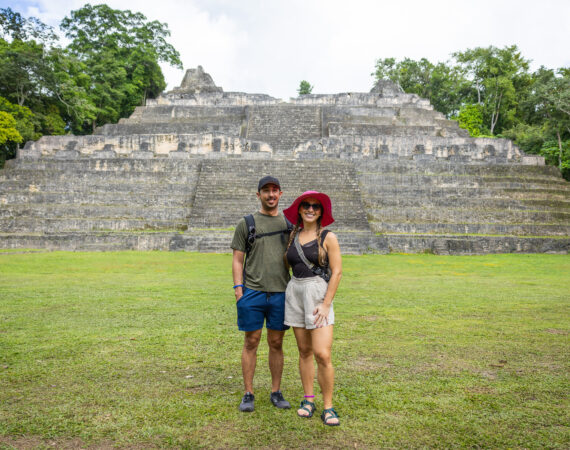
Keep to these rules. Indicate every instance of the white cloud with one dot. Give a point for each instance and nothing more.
(269, 46)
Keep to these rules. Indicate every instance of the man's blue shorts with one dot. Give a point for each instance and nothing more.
(256, 306)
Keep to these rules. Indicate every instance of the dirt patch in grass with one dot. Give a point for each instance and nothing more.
(197, 389)
(556, 331)
(370, 363)
(490, 375)
(480, 390)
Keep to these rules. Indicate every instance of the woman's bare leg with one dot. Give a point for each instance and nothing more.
(306, 364)
(322, 343)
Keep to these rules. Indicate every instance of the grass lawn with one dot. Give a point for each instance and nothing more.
(141, 350)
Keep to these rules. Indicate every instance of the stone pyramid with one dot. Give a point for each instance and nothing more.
(180, 172)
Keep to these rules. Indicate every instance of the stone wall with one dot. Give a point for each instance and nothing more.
(181, 171)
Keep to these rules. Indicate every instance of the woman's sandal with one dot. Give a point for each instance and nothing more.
(308, 406)
(329, 414)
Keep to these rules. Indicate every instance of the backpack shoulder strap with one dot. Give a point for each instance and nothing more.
(289, 225)
(250, 223)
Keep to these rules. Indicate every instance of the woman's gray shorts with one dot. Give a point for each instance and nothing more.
(301, 298)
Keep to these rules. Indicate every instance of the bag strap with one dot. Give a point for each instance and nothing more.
(317, 270)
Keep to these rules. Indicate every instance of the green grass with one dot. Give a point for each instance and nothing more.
(141, 350)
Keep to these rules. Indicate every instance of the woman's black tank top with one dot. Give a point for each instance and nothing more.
(311, 251)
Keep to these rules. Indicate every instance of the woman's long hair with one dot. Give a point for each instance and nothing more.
(322, 253)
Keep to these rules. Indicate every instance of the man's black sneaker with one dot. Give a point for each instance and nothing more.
(246, 404)
(278, 400)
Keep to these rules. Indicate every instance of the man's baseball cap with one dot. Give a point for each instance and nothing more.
(268, 180)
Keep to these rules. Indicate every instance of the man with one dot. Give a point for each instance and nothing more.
(260, 289)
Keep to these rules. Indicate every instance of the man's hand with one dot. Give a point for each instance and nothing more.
(239, 293)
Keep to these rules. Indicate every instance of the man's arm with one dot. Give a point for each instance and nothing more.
(237, 272)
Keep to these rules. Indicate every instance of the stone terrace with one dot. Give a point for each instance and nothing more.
(180, 172)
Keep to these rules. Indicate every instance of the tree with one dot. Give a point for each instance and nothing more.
(551, 95)
(305, 88)
(9, 136)
(496, 75)
(15, 27)
(120, 51)
(545, 118)
(27, 123)
(31, 75)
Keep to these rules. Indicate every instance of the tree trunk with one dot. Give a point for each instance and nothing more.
(495, 117)
(559, 150)
(478, 94)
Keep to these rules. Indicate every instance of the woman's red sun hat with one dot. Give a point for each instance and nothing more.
(293, 211)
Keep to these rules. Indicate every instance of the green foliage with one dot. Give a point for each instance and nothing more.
(24, 71)
(550, 93)
(25, 123)
(545, 118)
(470, 118)
(14, 26)
(9, 136)
(557, 154)
(530, 138)
(33, 75)
(305, 88)
(120, 51)
(8, 131)
(496, 75)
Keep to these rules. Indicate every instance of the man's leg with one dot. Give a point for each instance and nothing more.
(275, 315)
(249, 357)
(275, 341)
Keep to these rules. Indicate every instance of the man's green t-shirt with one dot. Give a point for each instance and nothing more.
(265, 269)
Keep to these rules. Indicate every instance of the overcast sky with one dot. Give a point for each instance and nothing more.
(265, 46)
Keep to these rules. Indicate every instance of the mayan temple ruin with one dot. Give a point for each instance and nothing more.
(181, 171)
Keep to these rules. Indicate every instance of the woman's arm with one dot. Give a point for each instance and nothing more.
(332, 248)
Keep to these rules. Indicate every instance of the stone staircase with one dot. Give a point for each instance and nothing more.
(226, 192)
(440, 206)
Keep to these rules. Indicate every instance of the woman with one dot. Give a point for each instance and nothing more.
(308, 298)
